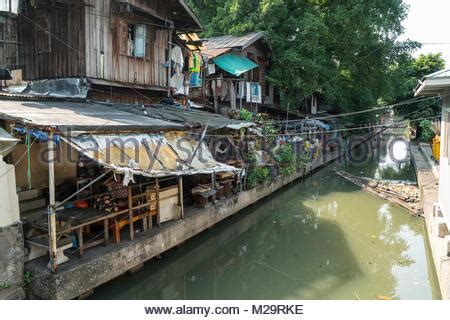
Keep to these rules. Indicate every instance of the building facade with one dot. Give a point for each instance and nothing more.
(118, 48)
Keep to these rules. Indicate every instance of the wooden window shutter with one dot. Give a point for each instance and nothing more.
(148, 43)
(123, 37)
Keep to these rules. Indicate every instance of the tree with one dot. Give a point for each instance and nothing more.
(405, 76)
(342, 50)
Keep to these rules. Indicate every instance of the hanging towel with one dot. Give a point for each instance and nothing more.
(211, 68)
(177, 55)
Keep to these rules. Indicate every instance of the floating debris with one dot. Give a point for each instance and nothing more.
(404, 195)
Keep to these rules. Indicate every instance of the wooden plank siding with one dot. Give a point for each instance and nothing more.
(65, 57)
(87, 41)
(8, 51)
(107, 31)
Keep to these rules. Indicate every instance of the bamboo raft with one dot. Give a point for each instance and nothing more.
(406, 196)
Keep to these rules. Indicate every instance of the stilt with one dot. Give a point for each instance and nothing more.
(180, 196)
(51, 210)
(130, 212)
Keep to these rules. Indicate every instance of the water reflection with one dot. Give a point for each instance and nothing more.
(319, 239)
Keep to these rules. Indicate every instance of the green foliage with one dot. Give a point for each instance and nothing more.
(245, 115)
(426, 131)
(28, 277)
(285, 157)
(4, 285)
(257, 176)
(303, 160)
(404, 77)
(343, 49)
(269, 131)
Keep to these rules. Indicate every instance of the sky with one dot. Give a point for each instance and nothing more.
(429, 22)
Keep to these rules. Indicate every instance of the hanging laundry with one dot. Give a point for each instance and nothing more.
(241, 90)
(177, 82)
(211, 68)
(195, 80)
(177, 56)
(232, 95)
(187, 60)
(224, 90)
(196, 62)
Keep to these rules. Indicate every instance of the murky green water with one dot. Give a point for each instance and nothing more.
(321, 238)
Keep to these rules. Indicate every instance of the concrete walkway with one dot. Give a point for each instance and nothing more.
(428, 180)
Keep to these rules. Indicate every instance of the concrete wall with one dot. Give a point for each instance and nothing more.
(9, 204)
(444, 168)
(12, 257)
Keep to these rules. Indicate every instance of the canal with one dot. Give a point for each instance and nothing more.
(320, 238)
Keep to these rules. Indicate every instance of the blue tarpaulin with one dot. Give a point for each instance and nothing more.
(39, 135)
(234, 64)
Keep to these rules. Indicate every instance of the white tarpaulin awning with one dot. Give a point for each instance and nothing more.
(151, 155)
(7, 142)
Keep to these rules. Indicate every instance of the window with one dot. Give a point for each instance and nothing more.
(43, 37)
(136, 40)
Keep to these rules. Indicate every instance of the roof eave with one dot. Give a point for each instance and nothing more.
(430, 87)
(193, 16)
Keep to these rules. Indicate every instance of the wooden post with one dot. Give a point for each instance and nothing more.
(51, 210)
(106, 231)
(130, 212)
(158, 218)
(80, 241)
(180, 195)
(216, 99)
(169, 58)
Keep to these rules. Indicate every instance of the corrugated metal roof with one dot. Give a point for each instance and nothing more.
(230, 41)
(79, 116)
(212, 53)
(439, 74)
(433, 84)
(151, 155)
(188, 118)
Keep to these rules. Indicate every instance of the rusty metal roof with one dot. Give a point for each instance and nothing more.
(230, 41)
(212, 53)
(79, 116)
(185, 117)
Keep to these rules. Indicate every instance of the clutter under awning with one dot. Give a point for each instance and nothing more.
(152, 155)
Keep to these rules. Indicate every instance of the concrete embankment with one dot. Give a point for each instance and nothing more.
(428, 180)
(104, 263)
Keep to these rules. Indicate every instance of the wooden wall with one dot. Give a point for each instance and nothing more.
(67, 46)
(85, 42)
(106, 34)
(8, 52)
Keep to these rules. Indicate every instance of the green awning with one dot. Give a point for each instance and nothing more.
(234, 64)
